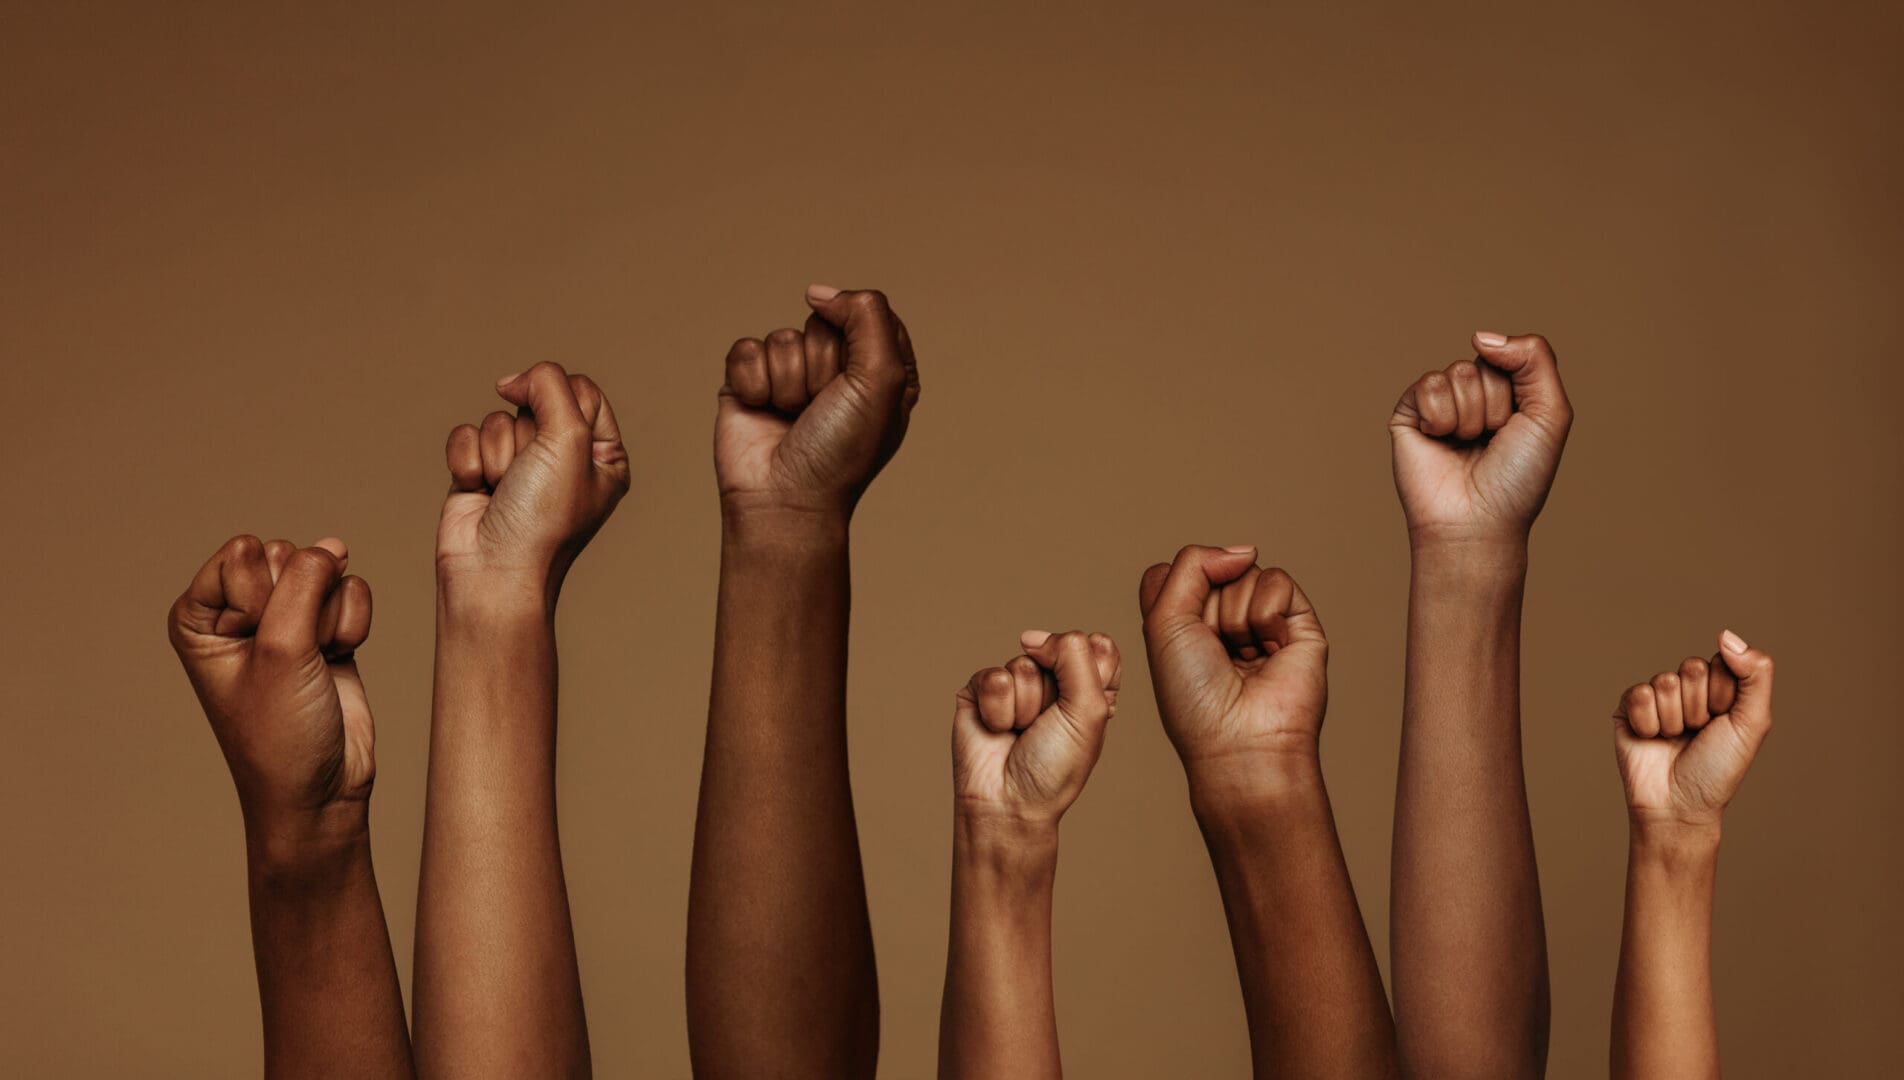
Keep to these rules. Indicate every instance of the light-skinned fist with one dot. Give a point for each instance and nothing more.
(1476, 445)
(1685, 738)
(808, 417)
(528, 489)
(1025, 735)
(1238, 660)
(267, 633)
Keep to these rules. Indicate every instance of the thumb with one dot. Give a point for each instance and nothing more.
(1083, 680)
(874, 337)
(1172, 596)
(1534, 371)
(1752, 707)
(545, 391)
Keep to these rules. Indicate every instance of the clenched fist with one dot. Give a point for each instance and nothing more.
(528, 490)
(1238, 659)
(808, 417)
(1685, 739)
(1476, 446)
(267, 634)
(1025, 736)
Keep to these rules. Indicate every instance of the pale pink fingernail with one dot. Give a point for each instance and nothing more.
(820, 294)
(507, 379)
(1240, 549)
(1031, 639)
(1732, 642)
(1491, 339)
(336, 547)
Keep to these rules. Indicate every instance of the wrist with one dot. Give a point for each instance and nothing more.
(1013, 846)
(748, 522)
(1468, 564)
(490, 596)
(306, 845)
(1675, 840)
(1245, 785)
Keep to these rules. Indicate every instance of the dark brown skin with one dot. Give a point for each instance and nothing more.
(780, 972)
(498, 992)
(1476, 448)
(1024, 739)
(268, 634)
(1684, 741)
(1240, 666)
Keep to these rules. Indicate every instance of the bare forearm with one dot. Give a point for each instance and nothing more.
(998, 1016)
(327, 981)
(497, 984)
(1663, 1019)
(1468, 946)
(1311, 986)
(780, 952)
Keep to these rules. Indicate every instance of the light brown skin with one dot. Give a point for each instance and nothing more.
(780, 973)
(1476, 447)
(1239, 662)
(1024, 739)
(267, 634)
(497, 989)
(1684, 741)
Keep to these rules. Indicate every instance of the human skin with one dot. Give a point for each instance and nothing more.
(780, 971)
(1475, 449)
(1239, 662)
(1024, 739)
(268, 633)
(1684, 741)
(497, 990)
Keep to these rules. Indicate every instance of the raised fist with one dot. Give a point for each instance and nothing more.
(1025, 736)
(1685, 739)
(267, 634)
(528, 490)
(808, 417)
(1238, 659)
(1476, 446)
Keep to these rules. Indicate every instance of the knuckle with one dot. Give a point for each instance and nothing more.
(547, 369)
(784, 337)
(744, 349)
(244, 544)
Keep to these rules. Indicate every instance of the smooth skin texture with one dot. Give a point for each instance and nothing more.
(780, 972)
(1684, 741)
(498, 991)
(1476, 447)
(1239, 661)
(1024, 739)
(268, 635)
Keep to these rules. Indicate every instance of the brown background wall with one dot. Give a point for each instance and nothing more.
(1168, 268)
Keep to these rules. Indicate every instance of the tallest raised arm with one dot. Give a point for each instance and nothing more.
(780, 972)
(1476, 447)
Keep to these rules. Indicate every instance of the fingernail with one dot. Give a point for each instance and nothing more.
(1031, 639)
(1491, 339)
(820, 294)
(1731, 642)
(336, 547)
(507, 379)
(1240, 549)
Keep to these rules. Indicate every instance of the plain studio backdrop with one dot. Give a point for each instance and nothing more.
(1168, 268)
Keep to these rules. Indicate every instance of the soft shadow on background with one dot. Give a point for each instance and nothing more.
(1167, 267)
